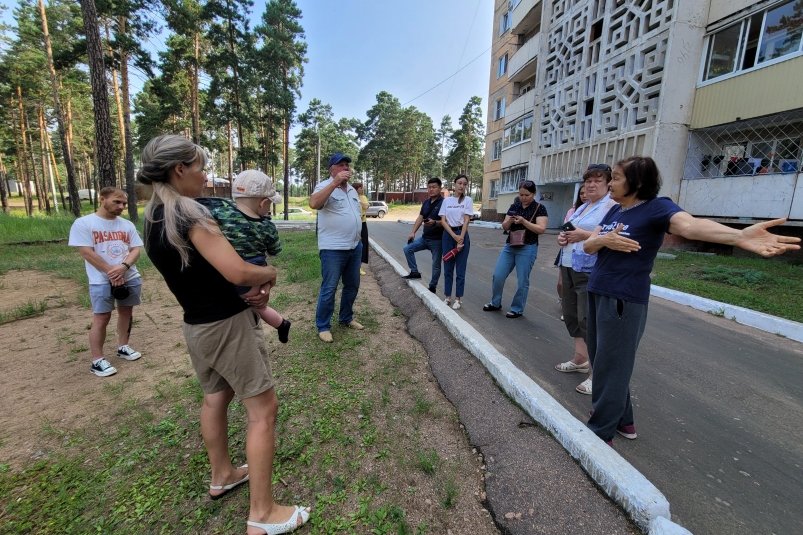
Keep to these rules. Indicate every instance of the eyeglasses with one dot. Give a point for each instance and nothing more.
(599, 167)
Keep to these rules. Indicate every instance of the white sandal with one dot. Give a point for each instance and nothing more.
(584, 387)
(286, 527)
(568, 367)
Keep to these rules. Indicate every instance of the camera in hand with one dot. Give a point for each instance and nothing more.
(120, 292)
(567, 227)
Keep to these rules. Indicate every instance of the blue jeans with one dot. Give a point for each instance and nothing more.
(334, 266)
(458, 264)
(435, 247)
(523, 259)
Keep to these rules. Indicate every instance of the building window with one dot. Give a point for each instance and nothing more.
(511, 179)
(504, 23)
(502, 68)
(521, 130)
(770, 145)
(762, 37)
(494, 193)
(499, 111)
(497, 150)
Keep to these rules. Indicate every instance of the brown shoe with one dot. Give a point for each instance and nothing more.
(326, 336)
(355, 325)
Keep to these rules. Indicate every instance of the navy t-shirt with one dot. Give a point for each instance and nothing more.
(429, 210)
(626, 276)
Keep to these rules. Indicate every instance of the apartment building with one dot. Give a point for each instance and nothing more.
(709, 88)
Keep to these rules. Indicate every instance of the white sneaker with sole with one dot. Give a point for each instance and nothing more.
(126, 352)
(456, 305)
(102, 368)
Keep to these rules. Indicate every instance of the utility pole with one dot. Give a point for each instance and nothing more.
(318, 156)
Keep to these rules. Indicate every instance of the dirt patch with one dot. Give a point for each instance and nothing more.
(49, 392)
(46, 382)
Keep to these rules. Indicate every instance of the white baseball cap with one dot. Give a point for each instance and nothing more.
(254, 183)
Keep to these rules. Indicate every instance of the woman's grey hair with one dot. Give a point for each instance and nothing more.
(180, 213)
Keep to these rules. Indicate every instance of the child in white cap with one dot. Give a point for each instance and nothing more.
(253, 235)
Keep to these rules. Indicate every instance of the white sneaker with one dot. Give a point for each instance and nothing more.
(448, 301)
(456, 305)
(127, 353)
(102, 368)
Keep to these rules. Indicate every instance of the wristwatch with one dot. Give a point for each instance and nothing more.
(127, 266)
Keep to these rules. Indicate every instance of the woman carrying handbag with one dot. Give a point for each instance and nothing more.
(525, 220)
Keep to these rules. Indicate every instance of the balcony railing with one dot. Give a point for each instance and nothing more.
(523, 61)
(524, 18)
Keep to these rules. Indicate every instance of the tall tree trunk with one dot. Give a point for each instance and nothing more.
(285, 154)
(133, 213)
(45, 166)
(104, 145)
(237, 110)
(26, 185)
(231, 151)
(56, 172)
(3, 185)
(75, 202)
(116, 92)
(196, 110)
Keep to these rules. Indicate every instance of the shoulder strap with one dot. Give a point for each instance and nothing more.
(537, 206)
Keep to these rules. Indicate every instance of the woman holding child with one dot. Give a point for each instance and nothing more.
(223, 334)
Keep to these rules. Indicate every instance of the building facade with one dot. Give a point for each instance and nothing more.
(709, 88)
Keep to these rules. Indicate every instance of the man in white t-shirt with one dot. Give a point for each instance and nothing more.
(110, 246)
(339, 245)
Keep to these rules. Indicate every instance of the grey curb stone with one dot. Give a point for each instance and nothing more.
(625, 485)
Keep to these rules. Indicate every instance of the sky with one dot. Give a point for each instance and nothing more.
(431, 54)
(357, 48)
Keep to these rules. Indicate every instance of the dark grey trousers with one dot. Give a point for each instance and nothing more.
(615, 328)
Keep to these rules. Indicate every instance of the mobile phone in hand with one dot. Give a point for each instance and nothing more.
(409, 240)
(567, 227)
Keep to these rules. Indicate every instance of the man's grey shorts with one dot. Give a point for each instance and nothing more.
(101, 296)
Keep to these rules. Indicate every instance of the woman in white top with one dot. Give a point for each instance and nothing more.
(575, 266)
(455, 214)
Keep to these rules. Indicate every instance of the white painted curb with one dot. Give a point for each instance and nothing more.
(645, 504)
(745, 316)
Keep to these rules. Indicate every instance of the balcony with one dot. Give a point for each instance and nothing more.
(523, 104)
(526, 17)
(740, 197)
(522, 65)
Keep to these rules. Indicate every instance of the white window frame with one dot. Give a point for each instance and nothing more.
(742, 49)
(501, 67)
(499, 109)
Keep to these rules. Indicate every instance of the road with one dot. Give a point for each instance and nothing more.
(718, 406)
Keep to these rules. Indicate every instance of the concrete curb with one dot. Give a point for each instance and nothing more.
(771, 324)
(625, 485)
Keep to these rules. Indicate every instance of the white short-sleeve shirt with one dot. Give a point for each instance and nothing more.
(111, 239)
(454, 210)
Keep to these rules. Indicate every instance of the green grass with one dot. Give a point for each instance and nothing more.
(26, 310)
(773, 286)
(16, 227)
(348, 427)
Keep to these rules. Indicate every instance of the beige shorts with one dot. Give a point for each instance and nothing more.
(230, 353)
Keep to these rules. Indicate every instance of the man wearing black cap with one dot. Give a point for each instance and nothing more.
(339, 245)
